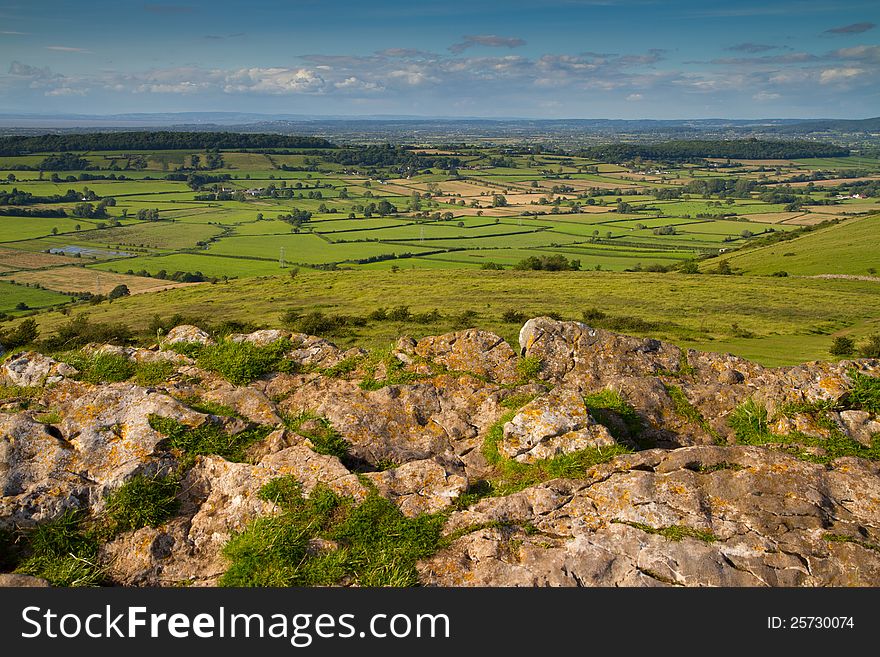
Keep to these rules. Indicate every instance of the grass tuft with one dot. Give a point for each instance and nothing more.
(143, 501)
(366, 544)
(208, 439)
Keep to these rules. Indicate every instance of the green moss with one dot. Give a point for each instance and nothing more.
(19, 392)
(343, 367)
(324, 438)
(209, 407)
(685, 410)
(208, 439)
(516, 401)
(143, 501)
(52, 417)
(64, 551)
(370, 544)
(843, 538)
(395, 371)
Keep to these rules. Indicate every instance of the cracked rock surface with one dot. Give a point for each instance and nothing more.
(689, 504)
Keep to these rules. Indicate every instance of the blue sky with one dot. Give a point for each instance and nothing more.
(545, 59)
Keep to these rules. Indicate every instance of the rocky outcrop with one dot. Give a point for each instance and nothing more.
(696, 516)
(443, 421)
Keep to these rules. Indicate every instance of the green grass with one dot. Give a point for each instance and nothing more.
(374, 544)
(142, 501)
(837, 249)
(865, 392)
(509, 476)
(608, 404)
(782, 333)
(751, 425)
(685, 410)
(12, 295)
(324, 438)
(239, 362)
(674, 532)
(154, 373)
(208, 439)
(101, 367)
(64, 551)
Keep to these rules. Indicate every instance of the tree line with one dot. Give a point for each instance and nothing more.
(153, 140)
(697, 149)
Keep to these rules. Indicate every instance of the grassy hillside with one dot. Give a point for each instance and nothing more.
(846, 248)
(773, 320)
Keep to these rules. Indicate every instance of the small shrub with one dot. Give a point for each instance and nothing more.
(464, 319)
(842, 346)
(870, 348)
(513, 316)
(142, 501)
(399, 314)
(593, 315)
(21, 335)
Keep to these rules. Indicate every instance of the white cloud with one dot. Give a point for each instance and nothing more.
(831, 75)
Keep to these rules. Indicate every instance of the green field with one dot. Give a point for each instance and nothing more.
(355, 254)
(849, 248)
(12, 296)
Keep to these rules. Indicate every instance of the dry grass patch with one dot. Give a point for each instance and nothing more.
(80, 279)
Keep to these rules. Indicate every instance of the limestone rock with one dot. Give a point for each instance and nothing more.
(553, 424)
(860, 426)
(696, 516)
(261, 338)
(31, 369)
(483, 353)
(23, 581)
(187, 333)
(425, 486)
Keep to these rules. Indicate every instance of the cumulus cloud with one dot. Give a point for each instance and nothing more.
(854, 28)
(490, 40)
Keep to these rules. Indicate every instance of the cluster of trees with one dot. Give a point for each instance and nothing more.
(691, 150)
(154, 140)
(50, 213)
(148, 214)
(736, 187)
(20, 197)
(296, 217)
(391, 157)
(89, 211)
(65, 162)
(548, 263)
